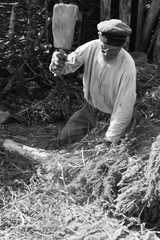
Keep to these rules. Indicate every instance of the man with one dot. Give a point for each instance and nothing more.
(109, 82)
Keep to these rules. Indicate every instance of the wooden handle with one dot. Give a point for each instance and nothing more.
(63, 52)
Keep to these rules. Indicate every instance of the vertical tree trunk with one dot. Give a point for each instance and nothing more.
(31, 35)
(46, 19)
(32, 26)
(12, 24)
(148, 25)
(156, 50)
(125, 11)
(125, 15)
(105, 8)
(79, 27)
(141, 7)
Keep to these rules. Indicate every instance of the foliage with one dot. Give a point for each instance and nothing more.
(25, 57)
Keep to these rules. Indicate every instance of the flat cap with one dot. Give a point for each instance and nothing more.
(113, 32)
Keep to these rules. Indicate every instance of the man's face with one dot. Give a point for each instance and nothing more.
(109, 52)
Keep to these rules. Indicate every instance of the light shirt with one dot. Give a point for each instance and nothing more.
(108, 86)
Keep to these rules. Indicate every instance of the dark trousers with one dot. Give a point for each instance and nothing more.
(80, 123)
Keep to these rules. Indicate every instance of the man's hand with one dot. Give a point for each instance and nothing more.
(58, 62)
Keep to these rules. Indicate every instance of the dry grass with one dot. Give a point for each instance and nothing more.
(86, 191)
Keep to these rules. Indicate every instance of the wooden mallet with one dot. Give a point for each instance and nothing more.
(63, 25)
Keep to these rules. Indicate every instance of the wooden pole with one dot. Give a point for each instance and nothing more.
(12, 24)
(156, 50)
(141, 7)
(79, 27)
(105, 8)
(26, 151)
(10, 4)
(31, 27)
(46, 20)
(149, 23)
(125, 11)
(125, 15)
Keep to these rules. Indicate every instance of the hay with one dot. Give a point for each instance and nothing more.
(118, 175)
(139, 193)
(139, 187)
(123, 180)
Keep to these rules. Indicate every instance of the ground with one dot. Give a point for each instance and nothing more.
(84, 191)
(36, 202)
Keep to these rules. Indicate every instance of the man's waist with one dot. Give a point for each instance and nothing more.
(99, 106)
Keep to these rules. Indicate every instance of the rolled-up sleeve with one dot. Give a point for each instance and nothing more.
(77, 58)
(123, 108)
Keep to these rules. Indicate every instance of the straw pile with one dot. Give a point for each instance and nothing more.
(123, 179)
(127, 174)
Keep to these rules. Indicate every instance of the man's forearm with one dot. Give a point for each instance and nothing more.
(115, 131)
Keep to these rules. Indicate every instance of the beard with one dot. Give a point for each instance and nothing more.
(105, 58)
(108, 56)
